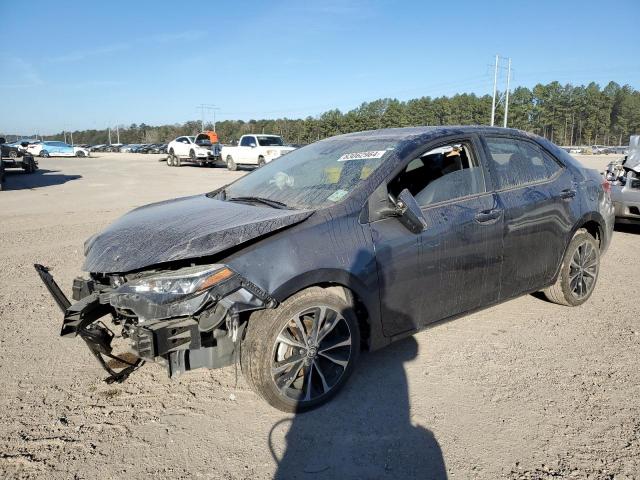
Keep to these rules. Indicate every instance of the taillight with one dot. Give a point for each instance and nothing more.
(606, 186)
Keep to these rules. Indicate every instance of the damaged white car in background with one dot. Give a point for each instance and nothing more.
(624, 175)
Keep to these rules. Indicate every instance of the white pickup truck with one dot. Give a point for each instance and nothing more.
(254, 149)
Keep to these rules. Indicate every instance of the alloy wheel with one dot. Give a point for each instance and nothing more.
(583, 270)
(311, 354)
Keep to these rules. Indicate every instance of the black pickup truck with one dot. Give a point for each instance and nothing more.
(12, 157)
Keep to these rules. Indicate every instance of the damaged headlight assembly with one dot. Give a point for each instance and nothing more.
(158, 296)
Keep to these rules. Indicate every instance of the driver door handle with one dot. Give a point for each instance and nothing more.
(568, 193)
(486, 216)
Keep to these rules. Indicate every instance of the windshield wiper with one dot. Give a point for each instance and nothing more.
(265, 201)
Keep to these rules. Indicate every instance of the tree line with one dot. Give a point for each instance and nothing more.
(565, 114)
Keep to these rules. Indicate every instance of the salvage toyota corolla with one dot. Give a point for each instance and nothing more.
(349, 243)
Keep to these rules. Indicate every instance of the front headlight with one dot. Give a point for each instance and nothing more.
(171, 286)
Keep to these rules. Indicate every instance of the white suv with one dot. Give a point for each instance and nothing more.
(186, 148)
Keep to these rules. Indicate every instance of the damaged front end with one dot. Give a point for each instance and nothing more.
(185, 318)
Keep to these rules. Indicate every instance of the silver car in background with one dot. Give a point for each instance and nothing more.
(624, 176)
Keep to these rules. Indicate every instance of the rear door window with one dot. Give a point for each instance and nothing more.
(515, 162)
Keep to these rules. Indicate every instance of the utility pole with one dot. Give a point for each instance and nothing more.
(506, 103)
(203, 107)
(118, 133)
(71, 133)
(109, 135)
(495, 88)
(65, 136)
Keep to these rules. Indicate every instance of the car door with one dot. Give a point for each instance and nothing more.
(538, 196)
(65, 149)
(453, 266)
(246, 150)
(53, 148)
(180, 148)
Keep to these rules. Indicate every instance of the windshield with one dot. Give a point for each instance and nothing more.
(270, 141)
(317, 175)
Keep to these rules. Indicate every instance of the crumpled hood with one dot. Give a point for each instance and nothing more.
(181, 229)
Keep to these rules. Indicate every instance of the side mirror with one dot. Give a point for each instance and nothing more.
(410, 214)
(252, 145)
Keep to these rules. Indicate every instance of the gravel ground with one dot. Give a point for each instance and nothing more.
(526, 389)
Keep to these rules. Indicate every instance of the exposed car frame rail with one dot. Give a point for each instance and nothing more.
(81, 319)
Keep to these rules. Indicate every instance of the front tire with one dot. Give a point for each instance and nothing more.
(80, 154)
(231, 165)
(299, 355)
(578, 273)
(261, 161)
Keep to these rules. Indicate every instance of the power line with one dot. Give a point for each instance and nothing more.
(209, 108)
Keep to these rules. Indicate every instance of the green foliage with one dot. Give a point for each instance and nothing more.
(565, 114)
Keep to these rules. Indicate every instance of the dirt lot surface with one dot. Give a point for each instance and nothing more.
(526, 389)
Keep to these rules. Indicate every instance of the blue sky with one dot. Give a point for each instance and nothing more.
(77, 65)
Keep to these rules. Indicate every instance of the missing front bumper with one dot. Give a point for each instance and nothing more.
(83, 319)
(210, 340)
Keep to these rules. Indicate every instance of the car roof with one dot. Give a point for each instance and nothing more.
(409, 133)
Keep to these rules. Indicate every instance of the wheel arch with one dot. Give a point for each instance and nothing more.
(348, 287)
(593, 223)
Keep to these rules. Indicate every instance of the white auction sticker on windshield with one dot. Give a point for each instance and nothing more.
(362, 155)
(337, 195)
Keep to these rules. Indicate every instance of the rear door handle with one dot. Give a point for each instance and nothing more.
(568, 193)
(486, 216)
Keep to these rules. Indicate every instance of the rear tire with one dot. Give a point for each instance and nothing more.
(44, 154)
(289, 363)
(579, 272)
(170, 160)
(176, 161)
(231, 165)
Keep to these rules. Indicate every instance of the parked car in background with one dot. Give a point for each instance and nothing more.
(350, 243)
(13, 150)
(600, 150)
(152, 148)
(624, 175)
(136, 148)
(9, 159)
(56, 149)
(190, 149)
(256, 150)
(158, 148)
